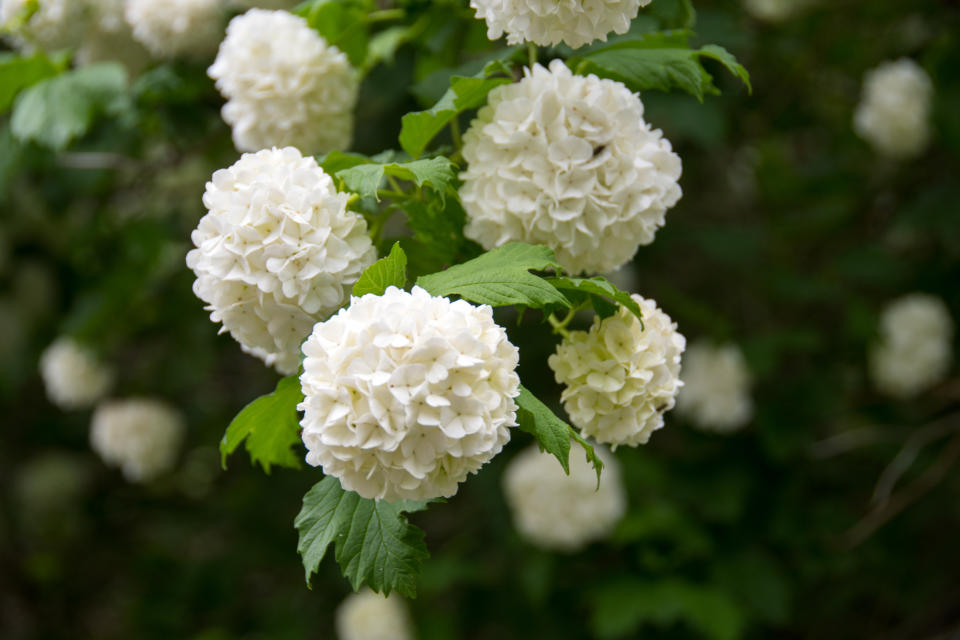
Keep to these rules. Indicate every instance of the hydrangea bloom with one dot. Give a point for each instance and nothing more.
(620, 377)
(557, 511)
(172, 28)
(567, 161)
(406, 394)
(716, 388)
(56, 24)
(894, 110)
(277, 252)
(72, 374)
(140, 435)
(550, 22)
(371, 616)
(915, 346)
(109, 37)
(284, 84)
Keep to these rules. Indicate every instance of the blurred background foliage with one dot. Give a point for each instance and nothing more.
(791, 236)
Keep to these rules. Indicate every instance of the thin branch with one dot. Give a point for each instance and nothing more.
(908, 454)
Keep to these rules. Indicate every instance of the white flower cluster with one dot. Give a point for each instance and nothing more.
(73, 376)
(284, 84)
(550, 22)
(56, 24)
(108, 36)
(277, 252)
(371, 616)
(716, 388)
(407, 394)
(894, 110)
(563, 512)
(915, 348)
(567, 161)
(173, 28)
(140, 435)
(620, 377)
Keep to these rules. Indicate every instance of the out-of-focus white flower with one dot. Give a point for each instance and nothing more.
(406, 394)
(51, 481)
(284, 84)
(774, 10)
(277, 252)
(72, 374)
(716, 388)
(174, 28)
(142, 436)
(56, 24)
(620, 377)
(550, 22)
(567, 161)
(263, 4)
(915, 348)
(108, 37)
(370, 616)
(557, 511)
(894, 110)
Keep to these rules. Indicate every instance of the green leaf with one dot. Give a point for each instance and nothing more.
(270, 425)
(364, 179)
(337, 161)
(620, 608)
(18, 73)
(599, 287)
(552, 433)
(417, 129)
(383, 45)
(342, 24)
(385, 272)
(660, 61)
(375, 544)
(57, 110)
(500, 277)
(673, 14)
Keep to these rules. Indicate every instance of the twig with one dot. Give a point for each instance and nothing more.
(881, 514)
(907, 455)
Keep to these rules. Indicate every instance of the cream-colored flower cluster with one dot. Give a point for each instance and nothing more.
(550, 22)
(620, 377)
(277, 252)
(56, 24)
(567, 161)
(173, 28)
(894, 110)
(73, 376)
(140, 435)
(716, 388)
(915, 348)
(370, 616)
(563, 512)
(284, 84)
(406, 394)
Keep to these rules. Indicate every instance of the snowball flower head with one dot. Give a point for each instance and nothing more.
(716, 388)
(915, 346)
(406, 394)
(371, 616)
(284, 84)
(56, 24)
(550, 22)
(567, 161)
(620, 377)
(277, 252)
(72, 374)
(561, 512)
(173, 28)
(894, 110)
(140, 435)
